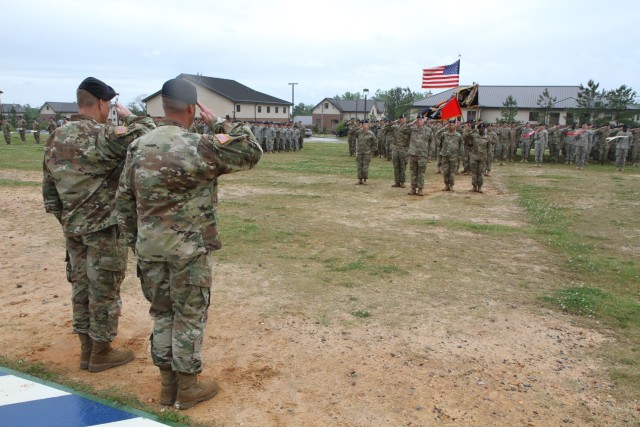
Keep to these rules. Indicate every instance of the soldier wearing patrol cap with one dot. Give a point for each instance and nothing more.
(82, 164)
(165, 200)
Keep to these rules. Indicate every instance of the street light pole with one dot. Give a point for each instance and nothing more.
(293, 85)
(366, 113)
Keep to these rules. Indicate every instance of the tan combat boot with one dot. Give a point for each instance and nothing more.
(169, 389)
(420, 193)
(191, 391)
(412, 192)
(104, 357)
(85, 350)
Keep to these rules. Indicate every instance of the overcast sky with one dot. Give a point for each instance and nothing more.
(328, 47)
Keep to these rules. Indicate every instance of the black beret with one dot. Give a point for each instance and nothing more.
(180, 90)
(98, 88)
(481, 126)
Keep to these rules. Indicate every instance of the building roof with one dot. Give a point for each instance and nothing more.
(6, 108)
(352, 106)
(525, 96)
(229, 89)
(62, 107)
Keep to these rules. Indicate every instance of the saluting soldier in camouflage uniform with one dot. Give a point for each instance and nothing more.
(623, 143)
(451, 149)
(22, 127)
(418, 152)
(36, 131)
(526, 134)
(503, 143)
(6, 131)
(165, 208)
(555, 136)
(82, 164)
(479, 154)
(602, 144)
(582, 146)
(351, 135)
(365, 147)
(513, 146)
(270, 137)
(389, 137)
(541, 139)
(570, 144)
(402, 135)
(493, 141)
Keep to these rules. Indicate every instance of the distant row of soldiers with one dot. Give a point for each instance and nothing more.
(273, 137)
(480, 144)
(22, 127)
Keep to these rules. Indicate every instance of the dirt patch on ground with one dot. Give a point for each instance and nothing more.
(466, 362)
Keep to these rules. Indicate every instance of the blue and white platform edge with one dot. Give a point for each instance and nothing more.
(31, 402)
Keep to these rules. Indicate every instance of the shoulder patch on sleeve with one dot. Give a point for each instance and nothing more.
(120, 130)
(222, 138)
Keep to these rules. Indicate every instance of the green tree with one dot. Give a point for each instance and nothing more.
(30, 113)
(13, 116)
(589, 101)
(138, 107)
(397, 101)
(349, 96)
(509, 109)
(303, 109)
(546, 103)
(620, 102)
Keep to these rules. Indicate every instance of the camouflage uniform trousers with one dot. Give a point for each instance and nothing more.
(582, 151)
(22, 135)
(362, 162)
(7, 137)
(539, 148)
(179, 293)
(570, 152)
(603, 151)
(388, 150)
(449, 167)
(399, 159)
(553, 152)
(501, 151)
(511, 153)
(36, 136)
(621, 157)
(270, 145)
(525, 144)
(352, 145)
(418, 166)
(97, 264)
(477, 172)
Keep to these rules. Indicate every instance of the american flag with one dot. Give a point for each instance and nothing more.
(443, 76)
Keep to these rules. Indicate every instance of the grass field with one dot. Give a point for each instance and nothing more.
(551, 238)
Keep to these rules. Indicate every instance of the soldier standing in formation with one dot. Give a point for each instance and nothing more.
(6, 131)
(480, 151)
(36, 131)
(451, 149)
(583, 136)
(402, 135)
(79, 190)
(165, 206)
(366, 143)
(624, 141)
(555, 138)
(493, 140)
(51, 127)
(22, 127)
(418, 152)
(541, 139)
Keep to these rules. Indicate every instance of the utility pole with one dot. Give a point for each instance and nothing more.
(293, 85)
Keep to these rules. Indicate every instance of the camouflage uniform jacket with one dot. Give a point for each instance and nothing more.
(82, 163)
(626, 141)
(6, 128)
(22, 124)
(51, 127)
(450, 144)
(480, 147)
(165, 199)
(366, 143)
(402, 138)
(419, 141)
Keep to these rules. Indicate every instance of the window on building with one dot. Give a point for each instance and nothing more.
(276, 110)
(471, 115)
(238, 108)
(533, 116)
(259, 109)
(554, 118)
(47, 108)
(326, 105)
(284, 110)
(268, 109)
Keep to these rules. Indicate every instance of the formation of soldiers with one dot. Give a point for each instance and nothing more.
(471, 148)
(273, 137)
(22, 127)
